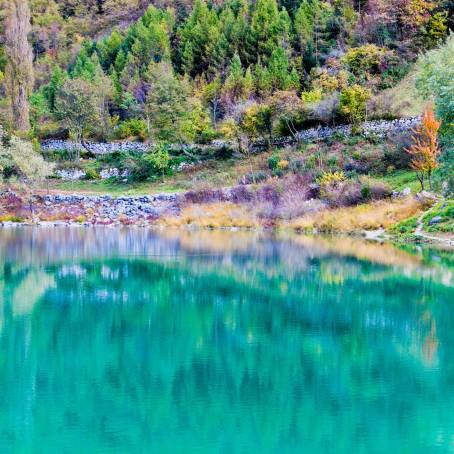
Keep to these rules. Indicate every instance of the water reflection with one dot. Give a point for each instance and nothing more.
(138, 341)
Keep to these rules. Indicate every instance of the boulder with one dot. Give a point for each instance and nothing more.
(426, 198)
(406, 192)
(435, 220)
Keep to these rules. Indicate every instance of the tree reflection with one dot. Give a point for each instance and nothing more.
(253, 349)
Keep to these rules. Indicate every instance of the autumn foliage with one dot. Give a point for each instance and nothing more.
(425, 148)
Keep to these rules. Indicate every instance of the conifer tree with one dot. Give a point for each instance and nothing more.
(268, 30)
(56, 82)
(304, 25)
(238, 85)
(262, 79)
(278, 68)
(120, 61)
(85, 63)
(199, 37)
(108, 49)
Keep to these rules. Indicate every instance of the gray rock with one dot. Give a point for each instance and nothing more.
(435, 220)
(71, 174)
(426, 198)
(406, 192)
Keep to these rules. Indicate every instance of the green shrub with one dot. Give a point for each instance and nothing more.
(134, 127)
(365, 192)
(364, 59)
(91, 174)
(353, 103)
(273, 161)
(393, 74)
(311, 162)
(333, 161)
(158, 159)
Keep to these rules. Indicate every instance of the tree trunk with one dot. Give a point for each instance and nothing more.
(421, 180)
(215, 112)
(250, 165)
(148, 126)
(78, 146)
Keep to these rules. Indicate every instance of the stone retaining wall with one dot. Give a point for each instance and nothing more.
(379, 128)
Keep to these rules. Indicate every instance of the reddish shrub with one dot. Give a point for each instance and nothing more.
(269, 193)
(241, 194)
(379, 191)
(11, 201)
(205, 196)
(342, 194)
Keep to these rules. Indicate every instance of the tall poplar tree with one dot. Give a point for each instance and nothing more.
(19, 68)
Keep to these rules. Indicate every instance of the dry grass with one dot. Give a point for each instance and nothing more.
(213, 216)
(371, 216)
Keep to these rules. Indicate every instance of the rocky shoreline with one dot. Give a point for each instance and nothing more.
(109, 210)
(147, 210)
(90, 209)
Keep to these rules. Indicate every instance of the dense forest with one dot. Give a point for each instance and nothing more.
(185, 72)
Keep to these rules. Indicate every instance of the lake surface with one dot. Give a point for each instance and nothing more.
(134, 341)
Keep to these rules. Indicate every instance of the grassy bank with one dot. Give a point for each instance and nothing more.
(366, 217)
(332, 186)
(210, 173)
(351, 220)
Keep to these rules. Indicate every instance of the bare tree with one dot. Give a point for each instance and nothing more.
(19, 69)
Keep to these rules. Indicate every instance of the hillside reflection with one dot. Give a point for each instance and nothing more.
(133, 341)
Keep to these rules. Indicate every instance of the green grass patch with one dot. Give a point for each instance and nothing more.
(405, 228)
(445, 211)
(210, 173)
(114, 188)
(401, 179)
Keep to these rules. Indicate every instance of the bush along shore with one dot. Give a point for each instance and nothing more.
(242, 207)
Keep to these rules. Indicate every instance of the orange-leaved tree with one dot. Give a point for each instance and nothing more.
(425, 149)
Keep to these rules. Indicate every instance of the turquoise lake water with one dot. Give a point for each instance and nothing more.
(133, 341)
